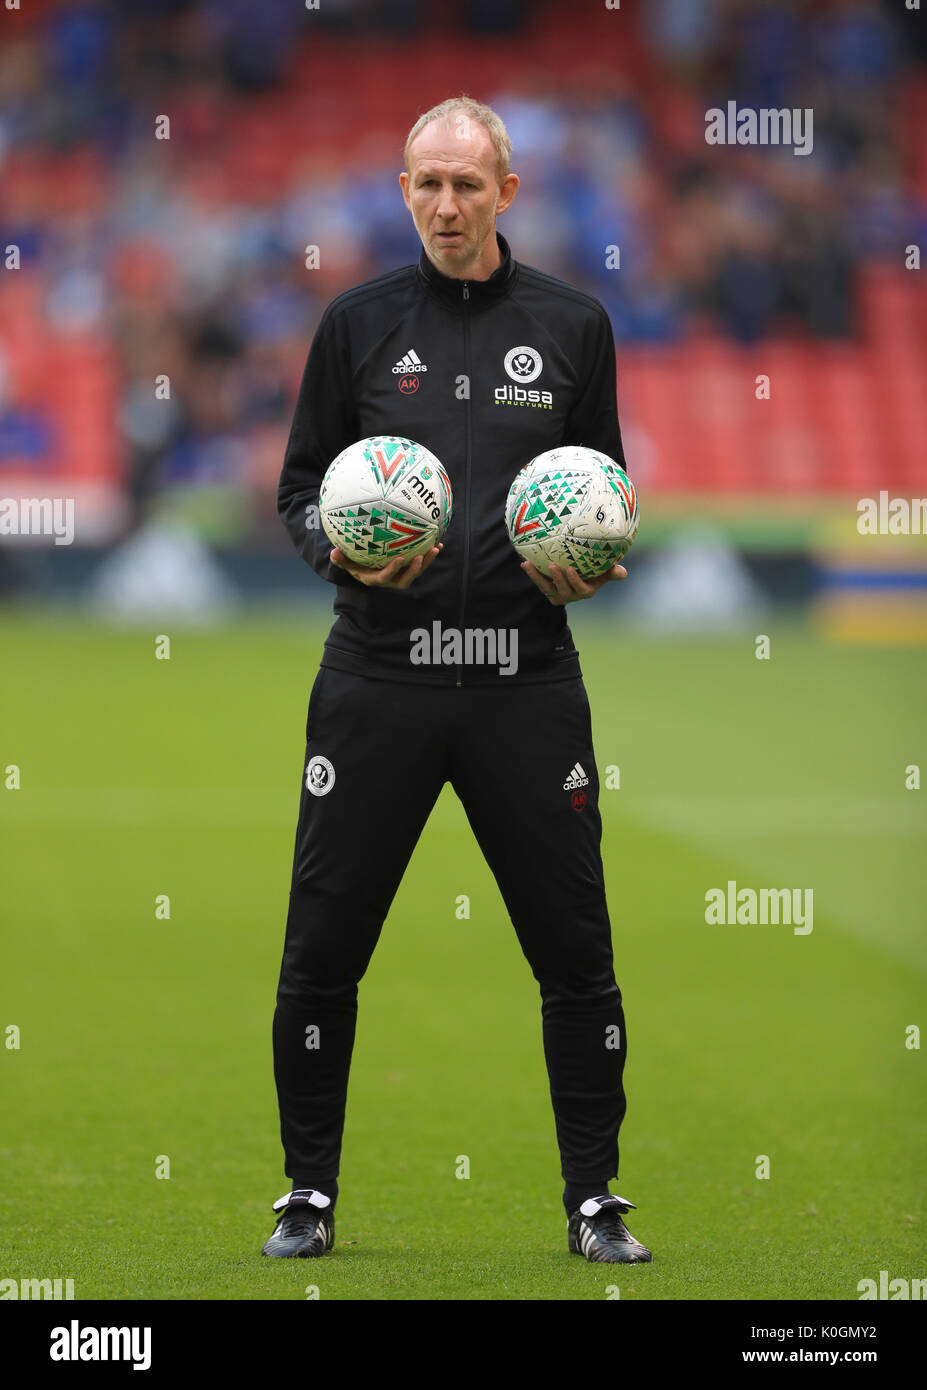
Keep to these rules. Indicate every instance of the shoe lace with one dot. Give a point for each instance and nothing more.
(297, 1221)
(610, 1225)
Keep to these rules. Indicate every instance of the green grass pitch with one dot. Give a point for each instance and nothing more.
(142, 1037)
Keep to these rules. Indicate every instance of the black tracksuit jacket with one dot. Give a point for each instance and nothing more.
(480, 419)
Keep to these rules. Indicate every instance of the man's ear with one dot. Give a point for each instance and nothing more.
(404, 185)
(507, 190)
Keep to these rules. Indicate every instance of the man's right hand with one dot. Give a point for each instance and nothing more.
(398, 574)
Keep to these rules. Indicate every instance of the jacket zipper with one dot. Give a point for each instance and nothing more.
(466, 555)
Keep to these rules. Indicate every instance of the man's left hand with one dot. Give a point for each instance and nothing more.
(565, 585)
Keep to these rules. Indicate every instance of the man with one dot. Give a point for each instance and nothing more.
(467, 324)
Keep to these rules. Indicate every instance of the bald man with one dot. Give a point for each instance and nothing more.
(486, 362)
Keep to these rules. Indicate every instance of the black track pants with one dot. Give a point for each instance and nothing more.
(507, 751)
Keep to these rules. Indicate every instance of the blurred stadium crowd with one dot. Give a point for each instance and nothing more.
(186, 256)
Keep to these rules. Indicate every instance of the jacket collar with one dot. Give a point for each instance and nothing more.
(481, 292)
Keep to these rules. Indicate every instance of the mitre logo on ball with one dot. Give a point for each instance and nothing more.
(385, 496)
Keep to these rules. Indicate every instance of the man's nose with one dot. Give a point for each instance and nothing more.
(447, 204)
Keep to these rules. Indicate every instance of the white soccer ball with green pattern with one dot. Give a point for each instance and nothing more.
(382, 497)
(572, 506)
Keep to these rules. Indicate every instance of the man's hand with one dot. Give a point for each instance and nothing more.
(398, 574)
(565, 585)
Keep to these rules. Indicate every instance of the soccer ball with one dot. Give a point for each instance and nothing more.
(572, 506)
(384, 497)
